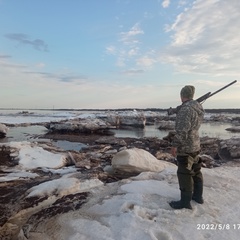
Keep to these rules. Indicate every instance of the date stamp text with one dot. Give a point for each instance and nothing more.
(218, 226)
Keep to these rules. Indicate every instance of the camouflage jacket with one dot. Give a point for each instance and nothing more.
(188, 121)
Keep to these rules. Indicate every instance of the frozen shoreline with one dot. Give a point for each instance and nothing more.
(215, 125)
(47, 190)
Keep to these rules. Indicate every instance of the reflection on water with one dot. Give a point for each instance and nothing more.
(32, 133)
(216, 130)
(148, 131)
(29, 133)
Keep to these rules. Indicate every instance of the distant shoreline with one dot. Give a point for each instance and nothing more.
(218, 110)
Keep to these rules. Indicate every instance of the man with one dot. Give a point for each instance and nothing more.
(186, 146)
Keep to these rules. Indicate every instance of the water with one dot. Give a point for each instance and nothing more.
(29, 133)
(66, 145)
(32, 133)
(212, 129)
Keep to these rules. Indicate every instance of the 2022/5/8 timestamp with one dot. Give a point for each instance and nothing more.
(218, 226)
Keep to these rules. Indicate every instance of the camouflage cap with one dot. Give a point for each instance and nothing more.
(188, 92)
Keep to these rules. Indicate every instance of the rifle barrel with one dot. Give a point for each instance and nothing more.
(204, 97)
(222, 88)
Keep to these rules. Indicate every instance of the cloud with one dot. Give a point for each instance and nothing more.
(205, 38)
(129, 37)
(62, 77)
(26, 88)
(132, 71)
(4, 56)
(133, 51)
(111, 50)
(129, 54)
(11, 66)
(127, 49)
(37, 44)
(40, 65)
(146, 61)
(166, 3)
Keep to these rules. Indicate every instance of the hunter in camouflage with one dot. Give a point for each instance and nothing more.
(186, 147)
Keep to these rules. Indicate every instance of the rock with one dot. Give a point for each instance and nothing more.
(113, 151)
(208, 141)
(170, 136)
(207, 161)
(233, 129)
(229, 149)
(3, 130)
(136, 161)
(164, 156)
(111, 141)
(122, 148)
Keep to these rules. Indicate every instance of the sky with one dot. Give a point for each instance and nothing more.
(117, 54)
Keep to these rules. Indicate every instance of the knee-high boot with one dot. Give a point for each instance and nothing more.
(198, 192)
(184, 202)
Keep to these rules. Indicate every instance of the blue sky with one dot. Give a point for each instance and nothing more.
(117, 53)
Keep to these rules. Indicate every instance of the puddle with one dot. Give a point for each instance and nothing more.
(66, 145)
(29, 133)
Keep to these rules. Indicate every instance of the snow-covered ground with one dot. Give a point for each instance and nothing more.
(138, 210)
(19, 117)
(133, 209)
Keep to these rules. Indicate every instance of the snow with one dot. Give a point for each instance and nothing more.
(131, 209)
(137, 207)
(3, 128)
(18, 175)
(15, 117)
(62, 187)
(31, 156)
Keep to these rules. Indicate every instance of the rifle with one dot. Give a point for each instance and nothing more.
(201, 99)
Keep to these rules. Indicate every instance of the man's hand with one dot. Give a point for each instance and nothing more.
(173, 151)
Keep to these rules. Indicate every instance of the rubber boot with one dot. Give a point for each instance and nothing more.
(184, 202)
(198, 191)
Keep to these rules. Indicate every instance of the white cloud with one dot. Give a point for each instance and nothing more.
(40, 65)
(132, 71)
(146, 61)
(205, 38)
(166, 3)
(128, 48)
(129, 37)
(133, 52)
(111, 50)
(67, 91)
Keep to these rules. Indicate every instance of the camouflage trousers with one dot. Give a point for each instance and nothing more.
(189, 171)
